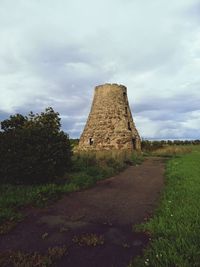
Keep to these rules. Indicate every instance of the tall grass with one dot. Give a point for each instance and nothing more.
(168, 151)
(106, 155)
(89, 167)
(174, 229)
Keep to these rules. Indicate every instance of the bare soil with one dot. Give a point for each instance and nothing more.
(107, 211)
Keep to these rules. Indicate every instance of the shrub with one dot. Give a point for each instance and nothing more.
(82, 180)
(33, 148)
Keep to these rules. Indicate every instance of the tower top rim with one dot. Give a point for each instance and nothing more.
(111, 85)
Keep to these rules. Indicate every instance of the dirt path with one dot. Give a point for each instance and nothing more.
(108, 210)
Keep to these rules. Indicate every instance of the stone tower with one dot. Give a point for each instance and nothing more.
(110, 124)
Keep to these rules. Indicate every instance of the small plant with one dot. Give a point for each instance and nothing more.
(57, 252)
(89, 240)
(7, 226)
(35, 259)
(137, 158)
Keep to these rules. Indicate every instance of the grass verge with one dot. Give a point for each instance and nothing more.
(174, 229)
(15, 197)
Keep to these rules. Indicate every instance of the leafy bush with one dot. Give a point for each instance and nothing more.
(82, 162)
(136, 159)
(74, 142)
(33, 149)
(82, 180)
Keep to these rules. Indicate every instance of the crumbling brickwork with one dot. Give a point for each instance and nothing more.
(110, 124)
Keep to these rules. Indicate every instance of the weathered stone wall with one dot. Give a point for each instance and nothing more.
(110, 124)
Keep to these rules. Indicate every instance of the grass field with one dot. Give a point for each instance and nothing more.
(175, 227)
(174, 150)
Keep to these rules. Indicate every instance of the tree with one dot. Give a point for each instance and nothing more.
(33, 148)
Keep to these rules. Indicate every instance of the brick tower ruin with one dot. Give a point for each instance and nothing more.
(110, 124)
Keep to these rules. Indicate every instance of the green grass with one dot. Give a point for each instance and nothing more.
(175, 228)
(86, 171)
(14, 197)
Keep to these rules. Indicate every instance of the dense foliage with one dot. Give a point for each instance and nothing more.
(33, 149)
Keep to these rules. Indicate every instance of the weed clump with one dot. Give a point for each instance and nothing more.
(35, 259)
(89, 240)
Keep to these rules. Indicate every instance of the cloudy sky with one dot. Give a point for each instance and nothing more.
(54, 52)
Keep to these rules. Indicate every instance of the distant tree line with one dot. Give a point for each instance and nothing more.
(153, 145)
(74, 142)
(33, 149)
